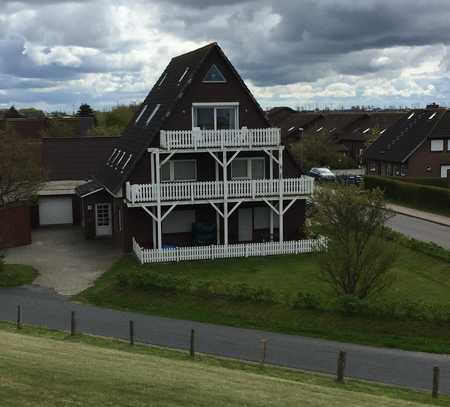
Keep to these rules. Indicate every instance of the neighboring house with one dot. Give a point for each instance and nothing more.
(68, 162)
(198, 165)
(417, 145)
(350, 131)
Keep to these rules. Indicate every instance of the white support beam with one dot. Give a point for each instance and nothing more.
(166, 159)
(217, 209)
(232, 157)
(215, 158)
(271, 206)
(234, 208)
(272, 157)
(152, 179)
(149, 212)
(281, 186)
(168, 211)
(158, 198)
(289, 205)
(225, 198)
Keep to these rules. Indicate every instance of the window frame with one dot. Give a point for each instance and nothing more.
(249, 168)
(442, 145)
(172, 171)
(211, 67)
(216, 106)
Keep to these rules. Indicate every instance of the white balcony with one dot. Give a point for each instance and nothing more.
(230, 138)
(215, 190)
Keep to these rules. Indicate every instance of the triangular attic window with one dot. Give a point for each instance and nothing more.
(214, 75)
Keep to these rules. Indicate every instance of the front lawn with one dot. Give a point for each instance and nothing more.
(46, 368)
(14, 275)
(421, 281)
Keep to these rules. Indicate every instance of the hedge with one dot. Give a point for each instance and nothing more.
(429, 181)
(428, 198)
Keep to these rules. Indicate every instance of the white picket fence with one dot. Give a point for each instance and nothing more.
(225, 252)
(197, 138)
(195, 191)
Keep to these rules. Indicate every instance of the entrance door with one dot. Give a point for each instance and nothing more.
(245, 224)
(444, 170)
(103, 221)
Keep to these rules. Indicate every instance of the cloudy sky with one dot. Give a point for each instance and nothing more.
(57, 54)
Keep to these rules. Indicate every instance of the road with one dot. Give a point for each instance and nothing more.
(421, 229)
(396, 367)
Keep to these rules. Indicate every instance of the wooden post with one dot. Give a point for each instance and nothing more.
(131, 333)
(435, 391)
(19, 317)
(192, 344)
(263, 351)
(341, 367)
(72, 324)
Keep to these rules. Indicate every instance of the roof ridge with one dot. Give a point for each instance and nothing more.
(211, 44)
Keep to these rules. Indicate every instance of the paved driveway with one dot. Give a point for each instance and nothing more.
(66, 261)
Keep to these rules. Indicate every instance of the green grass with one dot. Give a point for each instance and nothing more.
(417, 277)
(14, 275)
(46, 368)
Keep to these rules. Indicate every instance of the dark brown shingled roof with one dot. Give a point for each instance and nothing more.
(401, 139)
(167, 92)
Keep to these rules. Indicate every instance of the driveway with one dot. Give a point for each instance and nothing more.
(66, 261)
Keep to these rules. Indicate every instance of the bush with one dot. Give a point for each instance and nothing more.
(429, 181)
(350, 305)
(419, 196)
(2, 262)
(307, 301)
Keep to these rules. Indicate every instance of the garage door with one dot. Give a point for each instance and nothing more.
(55, 211)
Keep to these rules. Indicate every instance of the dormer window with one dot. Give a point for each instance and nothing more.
(182, 76)
(214, 75)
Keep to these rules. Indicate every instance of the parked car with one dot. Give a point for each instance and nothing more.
(349, 179)
(322, 174)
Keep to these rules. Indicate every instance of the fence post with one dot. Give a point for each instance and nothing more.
(19, 317)
(435, 391)
(192, 344)
(263, 351)
(341, 367)
(131, 326)
(72, 324)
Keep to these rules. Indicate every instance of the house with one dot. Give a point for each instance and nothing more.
(350, 131)
(198, 165)
(417, 145)
(68, 162)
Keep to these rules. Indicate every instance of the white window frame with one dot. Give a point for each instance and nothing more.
(144, 108)
(216, 106)
(441, 148)
(127, 161)
(113, 160)
(155, 110)
(182, 76)
(172, 171)
(120, 160)
(223, 76)
(162, 79)
(448, 144)
(249, 167)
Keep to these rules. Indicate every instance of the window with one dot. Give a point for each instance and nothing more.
(248, 168)
(261, 218)
(365, 131)
(431, 117)
(179, 221)
(437, 145)
(140, 114)
(179, 170)
(291, 128)
(111, 156)
(214, 75)
(155, 110)
(120, 159)
(162, 79)
(403, 170)
(127, 161)
(319, 129)
(448, 144)
(215, 117)
(382, 131)
(411, 115)
(184, 74)
(119, 219)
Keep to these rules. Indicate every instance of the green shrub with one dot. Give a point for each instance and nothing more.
(429, 198)
(429, 181)
(2, 262)
(307, 301)
(350, 305)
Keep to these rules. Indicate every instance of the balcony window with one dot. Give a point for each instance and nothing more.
(215, 117)
(437, 145)
(179, 170)
(248, 168)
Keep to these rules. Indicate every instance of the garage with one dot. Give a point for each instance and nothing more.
(55, 210)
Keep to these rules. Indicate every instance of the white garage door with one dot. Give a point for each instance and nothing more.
(55, 211)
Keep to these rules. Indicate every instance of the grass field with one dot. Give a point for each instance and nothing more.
(17, 274)
(44, 368)
(418, 277)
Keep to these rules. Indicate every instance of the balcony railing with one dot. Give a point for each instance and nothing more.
(202, 139)
(213, 190)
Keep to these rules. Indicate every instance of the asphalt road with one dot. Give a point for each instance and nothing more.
(421, 229)
(401, 368)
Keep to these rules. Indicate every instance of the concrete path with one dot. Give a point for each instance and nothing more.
(66, 261)
(414, 213)
(401, 368)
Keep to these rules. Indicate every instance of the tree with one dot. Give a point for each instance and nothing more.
(372, 137)
(358, 259)
(86, 111)
(12, 113)
(59, 128)
(318, 149)
(21, 172)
